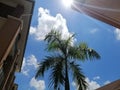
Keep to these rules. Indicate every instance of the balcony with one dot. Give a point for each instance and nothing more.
(9, 67)
(8, 33)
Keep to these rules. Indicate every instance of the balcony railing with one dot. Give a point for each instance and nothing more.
(8, 35)
(9, 67)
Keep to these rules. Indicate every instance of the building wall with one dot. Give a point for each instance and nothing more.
(115, 85)
(14, 30)
(107, 11)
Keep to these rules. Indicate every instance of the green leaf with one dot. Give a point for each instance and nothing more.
(78, 76)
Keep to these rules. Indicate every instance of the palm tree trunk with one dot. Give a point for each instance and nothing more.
(67, 86)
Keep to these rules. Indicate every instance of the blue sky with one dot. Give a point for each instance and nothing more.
(104, 38)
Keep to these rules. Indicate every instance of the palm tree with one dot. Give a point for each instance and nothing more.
(64, 60)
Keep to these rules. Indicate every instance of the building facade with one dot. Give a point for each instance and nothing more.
(15, 18)
(107, 11)
(115, 85)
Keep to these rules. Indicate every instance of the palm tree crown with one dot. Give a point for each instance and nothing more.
(64, 60)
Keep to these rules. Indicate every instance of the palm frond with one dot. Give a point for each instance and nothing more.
(74, 52)
(54, 46)
(51, 36)
(46, 64)
(88, 53)
(69, 40)
(55, 42)
(93, 54)
(83, 50)
(57, 75)
(78, 76)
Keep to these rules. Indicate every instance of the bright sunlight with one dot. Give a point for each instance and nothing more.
(67, 3)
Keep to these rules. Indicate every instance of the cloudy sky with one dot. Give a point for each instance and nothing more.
(104, 38)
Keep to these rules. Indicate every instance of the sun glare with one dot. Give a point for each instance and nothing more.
(67, 3)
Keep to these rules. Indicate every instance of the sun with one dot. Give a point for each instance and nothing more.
(67, 3)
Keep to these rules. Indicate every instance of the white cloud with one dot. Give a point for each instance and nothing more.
(92, 85)
(96, 78)
(29, 62)
(46, 22)
(117, 33)
(106, 82)
(32, 61)
(94, 31)
(25, 72)
(32, 30)
(37, 84)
